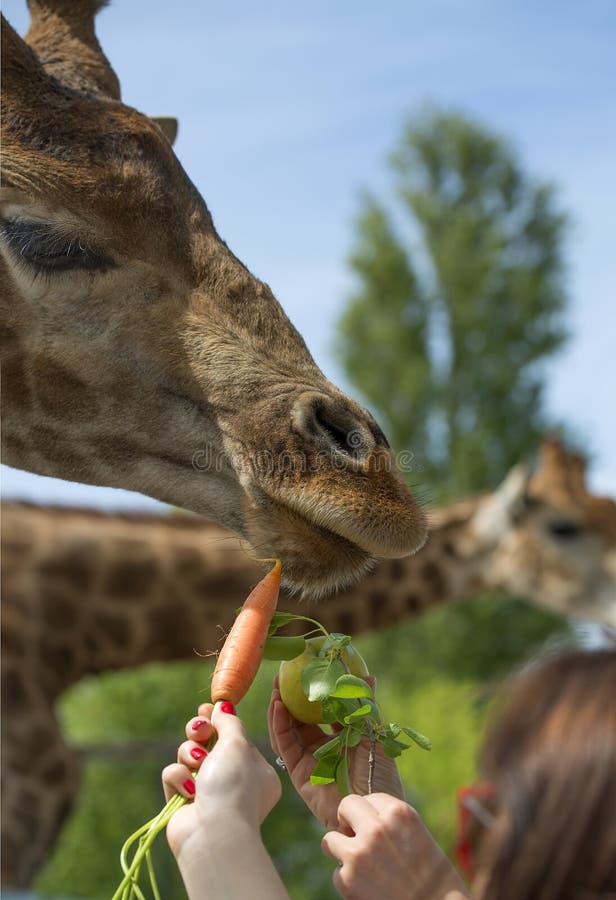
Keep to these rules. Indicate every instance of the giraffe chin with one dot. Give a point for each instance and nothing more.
(316, 562)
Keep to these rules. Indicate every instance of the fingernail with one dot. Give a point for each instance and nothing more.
(189, 786)
(198, 753)
(196, 725)
(227, 707)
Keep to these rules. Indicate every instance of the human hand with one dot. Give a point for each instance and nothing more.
(295, 743)
(387, 851)
(234, 782)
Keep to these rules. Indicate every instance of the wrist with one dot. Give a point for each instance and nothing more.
(208, 860)
(217, 827)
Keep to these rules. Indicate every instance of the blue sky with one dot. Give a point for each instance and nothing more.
(288, 109)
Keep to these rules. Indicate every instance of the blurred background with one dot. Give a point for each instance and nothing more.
(424, 187)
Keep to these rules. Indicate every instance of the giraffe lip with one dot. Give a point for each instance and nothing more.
(317, 561)
(264, 501)
(333, 523)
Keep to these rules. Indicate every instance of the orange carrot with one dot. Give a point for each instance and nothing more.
(241, 654)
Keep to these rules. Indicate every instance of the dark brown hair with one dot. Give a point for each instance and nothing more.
(551, 754)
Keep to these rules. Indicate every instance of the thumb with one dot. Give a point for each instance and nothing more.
(226, 722)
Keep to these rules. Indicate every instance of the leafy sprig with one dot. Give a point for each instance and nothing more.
(347, 702)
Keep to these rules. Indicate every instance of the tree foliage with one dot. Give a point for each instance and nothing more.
(459, 302)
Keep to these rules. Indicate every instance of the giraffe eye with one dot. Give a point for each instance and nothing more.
(44, 249)
(564, 528)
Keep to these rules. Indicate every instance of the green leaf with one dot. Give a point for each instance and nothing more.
(321, 779)
(375, 712)
(420, 739)
(351, 686)
(280, 619)
(393, 730)
(325, 771)
(319, 678)
(353, 737)
(334, 710)
(360, 713)
(340, 640)
(342, 777)
(331, 748)
(393, 748)
(283, 647)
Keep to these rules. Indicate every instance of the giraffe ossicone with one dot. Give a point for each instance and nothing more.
(139, 352)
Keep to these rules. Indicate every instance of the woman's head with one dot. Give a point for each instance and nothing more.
(551, 755)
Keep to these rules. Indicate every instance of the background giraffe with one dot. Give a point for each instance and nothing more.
(85, 592)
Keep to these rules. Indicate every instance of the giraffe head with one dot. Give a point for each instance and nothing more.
(140, 353)
(552, 540)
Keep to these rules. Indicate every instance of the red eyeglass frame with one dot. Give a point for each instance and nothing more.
(471, 801)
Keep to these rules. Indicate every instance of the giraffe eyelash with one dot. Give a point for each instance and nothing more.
(43, 249)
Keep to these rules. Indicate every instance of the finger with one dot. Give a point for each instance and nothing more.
(354, 811)
(270, 720)
(282, 735)
(199, 729)
(306, 736)
(226, 722)
(293, 739)
(204, 710)
(382, 802)
(177, 779)
(336, 845)
(191, 754)
(271, 785)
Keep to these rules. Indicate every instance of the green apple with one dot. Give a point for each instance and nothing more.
(290, 678)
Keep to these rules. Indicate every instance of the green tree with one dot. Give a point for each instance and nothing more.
(459, 302)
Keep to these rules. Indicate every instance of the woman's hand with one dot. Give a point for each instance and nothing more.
(217, 840)
(296, 742)
(234, 781)
(388, 852)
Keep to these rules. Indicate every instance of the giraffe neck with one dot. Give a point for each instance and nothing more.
(86, 592)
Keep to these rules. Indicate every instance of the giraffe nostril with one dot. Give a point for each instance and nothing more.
(335, 425)
(339, 436)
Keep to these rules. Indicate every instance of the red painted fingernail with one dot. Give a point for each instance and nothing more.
(198, 753)
(196, 725)
(227, 707)
(189, 786)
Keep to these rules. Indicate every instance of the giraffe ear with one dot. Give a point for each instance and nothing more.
(498, 510)
(168, 125)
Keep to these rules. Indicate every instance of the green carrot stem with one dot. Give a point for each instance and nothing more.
(152, 874)
(128, 843)
(146, 836)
